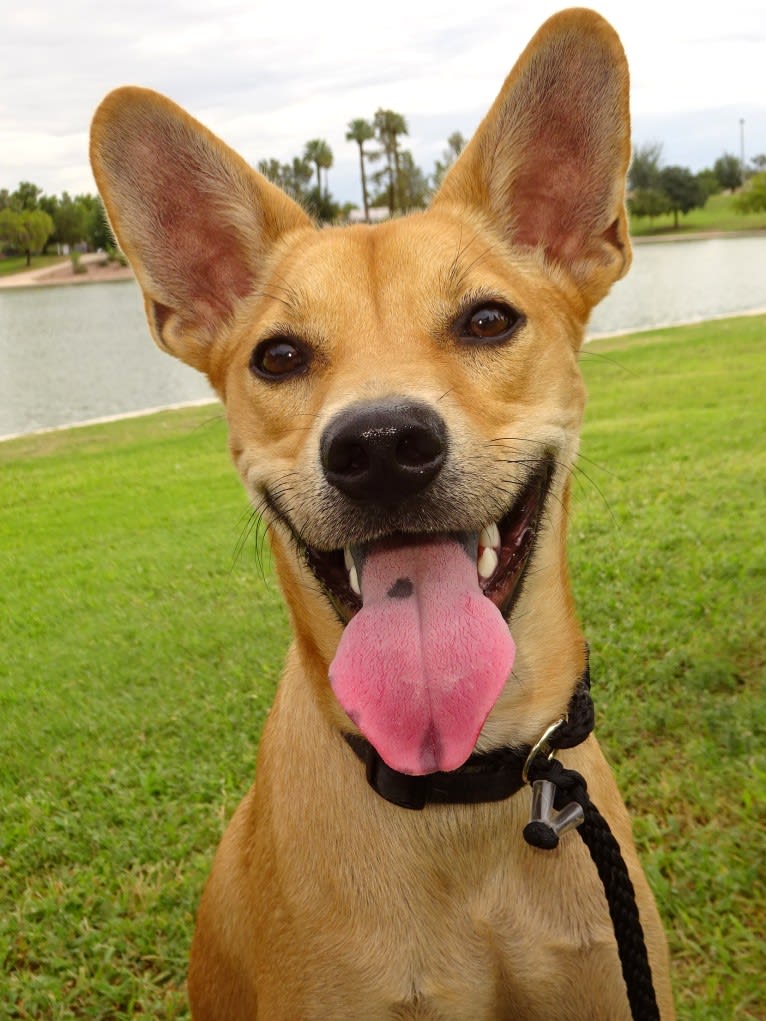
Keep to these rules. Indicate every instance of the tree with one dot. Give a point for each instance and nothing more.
(709, 182)
(271, 169)
(98, 233)
(291, 177)
(388, 126)
(318, 152)
(752, 198)
(70, 218)
(414, 189)
(26, 196)
(25, 230)
(649, 202)
(728, 170)
(644, 171)
(297, 177)
(455, 145)
(682, 189)
(361, 131)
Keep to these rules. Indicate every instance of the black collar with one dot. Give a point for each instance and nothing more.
(489, 776)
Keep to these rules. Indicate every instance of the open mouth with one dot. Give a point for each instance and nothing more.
(501, 549)
(426, 648)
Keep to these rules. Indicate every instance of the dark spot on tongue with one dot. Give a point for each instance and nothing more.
(401, 589)
(420, 665)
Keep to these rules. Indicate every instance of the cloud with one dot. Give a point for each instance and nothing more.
(267, 76)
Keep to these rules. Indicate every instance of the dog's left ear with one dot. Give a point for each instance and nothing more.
(548, 162)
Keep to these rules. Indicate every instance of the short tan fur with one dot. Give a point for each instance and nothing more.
(325, 901)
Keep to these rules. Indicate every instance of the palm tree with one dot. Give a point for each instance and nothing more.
(319, 153)
(361, 131)
(388, 126)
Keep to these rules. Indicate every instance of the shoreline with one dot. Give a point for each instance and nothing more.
(202, 402)
(697, 235)
(97, 272)
(746, 313)
(121, 416)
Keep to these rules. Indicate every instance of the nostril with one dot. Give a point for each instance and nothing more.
(419, 448)
(384, 452)
(346, 457)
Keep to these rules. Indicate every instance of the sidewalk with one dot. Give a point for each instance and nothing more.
(62, 273)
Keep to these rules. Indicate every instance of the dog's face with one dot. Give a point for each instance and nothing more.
(403, 400)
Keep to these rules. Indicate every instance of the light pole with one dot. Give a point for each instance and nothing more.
(742, 145)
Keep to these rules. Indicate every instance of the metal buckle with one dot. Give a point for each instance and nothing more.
(543, 746)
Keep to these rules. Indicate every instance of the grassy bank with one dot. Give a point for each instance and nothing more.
(718, 214)
(18, 263)
(141, 647)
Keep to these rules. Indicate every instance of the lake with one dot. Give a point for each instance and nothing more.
(72, 354)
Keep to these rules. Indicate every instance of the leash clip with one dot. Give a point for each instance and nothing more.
(545, 824)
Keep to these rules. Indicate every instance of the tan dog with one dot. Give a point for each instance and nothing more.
(404, 404)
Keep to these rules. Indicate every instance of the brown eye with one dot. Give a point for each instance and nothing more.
(493, 322)
(279, 358)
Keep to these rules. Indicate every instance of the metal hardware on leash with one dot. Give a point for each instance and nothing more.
(545, 824)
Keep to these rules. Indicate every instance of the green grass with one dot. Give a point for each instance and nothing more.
(669, 564)
(140, 654)
(718, 214)
(18, 263)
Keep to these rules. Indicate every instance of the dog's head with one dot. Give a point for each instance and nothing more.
(403, 400)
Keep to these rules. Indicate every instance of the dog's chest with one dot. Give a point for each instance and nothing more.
(472, 962)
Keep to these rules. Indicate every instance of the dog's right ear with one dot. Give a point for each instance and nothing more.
(195, 221)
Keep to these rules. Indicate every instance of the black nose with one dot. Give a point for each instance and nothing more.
(382, 453)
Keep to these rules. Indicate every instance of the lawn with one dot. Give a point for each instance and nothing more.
(142, 637)
(718, 214)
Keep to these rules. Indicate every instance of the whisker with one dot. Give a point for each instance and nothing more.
(606, 358)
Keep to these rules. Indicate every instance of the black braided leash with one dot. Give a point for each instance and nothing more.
(498, 774)
(613, 873)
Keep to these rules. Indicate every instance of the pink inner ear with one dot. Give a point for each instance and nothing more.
(546, 210)
(195, 256)
(567, 150)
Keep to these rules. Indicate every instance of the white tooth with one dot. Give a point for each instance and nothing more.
(347, 558)
(489, 537)
(487, 564)
(353, 580)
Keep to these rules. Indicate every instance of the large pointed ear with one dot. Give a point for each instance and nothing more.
(192, 217)
(548, 162)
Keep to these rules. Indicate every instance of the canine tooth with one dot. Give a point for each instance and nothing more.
(489, 537)
(487, 564)
(353, 580)
(347, 558)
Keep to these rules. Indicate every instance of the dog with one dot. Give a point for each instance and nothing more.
(403, 404)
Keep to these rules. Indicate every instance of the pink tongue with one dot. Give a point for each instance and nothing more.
(422, 663)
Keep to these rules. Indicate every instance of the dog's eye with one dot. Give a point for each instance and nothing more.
(492, 322)
(279, 358)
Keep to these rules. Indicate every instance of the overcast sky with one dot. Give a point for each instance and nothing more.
(268, 76)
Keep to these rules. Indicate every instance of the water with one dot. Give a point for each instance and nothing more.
(71, 354)
(685, 281)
